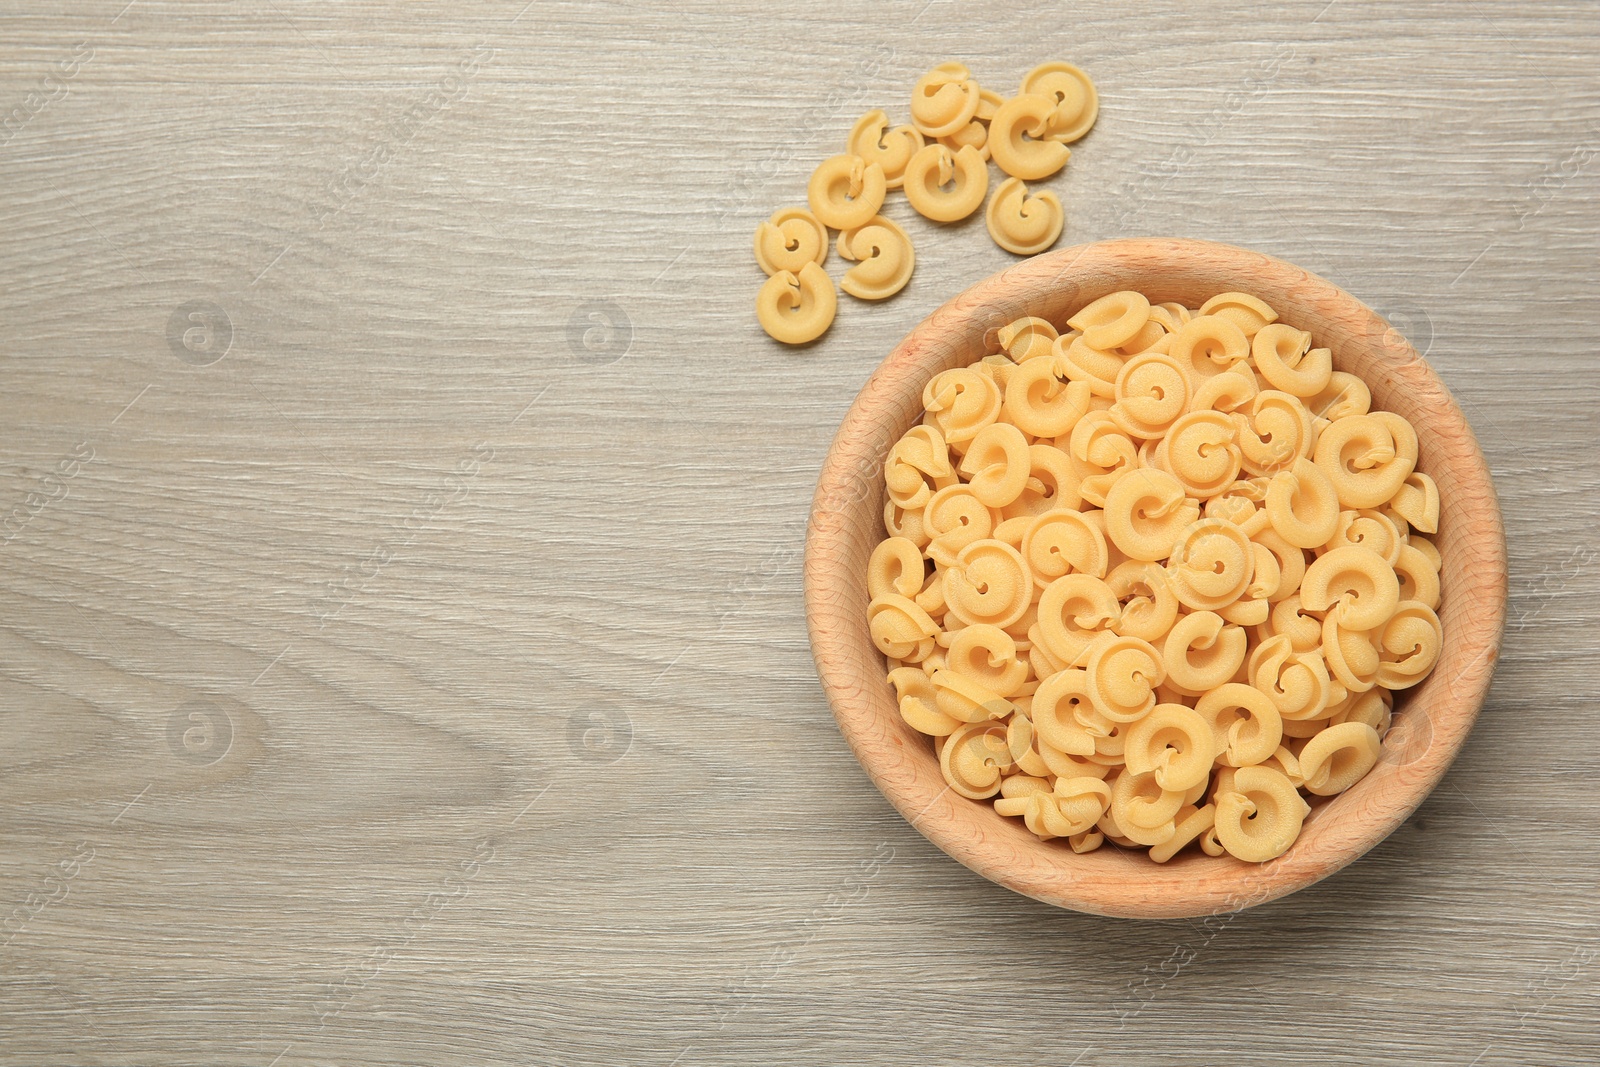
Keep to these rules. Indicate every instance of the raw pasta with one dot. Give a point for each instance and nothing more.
(1155, 579)
(941, 162)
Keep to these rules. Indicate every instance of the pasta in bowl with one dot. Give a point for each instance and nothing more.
(1154, 558)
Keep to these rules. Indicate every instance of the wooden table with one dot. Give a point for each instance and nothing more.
(403, 657)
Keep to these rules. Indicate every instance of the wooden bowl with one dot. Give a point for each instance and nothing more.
(1431, 721)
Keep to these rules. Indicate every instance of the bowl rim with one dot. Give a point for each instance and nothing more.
(1429, 730)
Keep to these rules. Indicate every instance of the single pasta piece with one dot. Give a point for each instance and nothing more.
(1026, 225)
(883, 256)
(1077, 104)
(873, 140)
(797, 307)
(946, 186)
(1018, 141)
(846, 191)
(1260, 816)
(944, 100)
(789, 240)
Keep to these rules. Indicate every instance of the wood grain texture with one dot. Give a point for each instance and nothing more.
(497, 597)
(1432, 720)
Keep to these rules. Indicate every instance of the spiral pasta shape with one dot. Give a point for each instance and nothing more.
(795, 307)
(1249, 313)
(1351, 655)
(1276, 433)
(873, 141)
(1361, 457)
(899, 628)
(1344, 395)
(1288, 617)
(1073, 610)
(997, 464)
(1410, 645)
(946, 186)
(1202, 652)
(789, 240)
(1358, 580)
(915, 691)
(1041, 402)
(1211, 563)
(1417, 501)
(1245, 724)
(1020, 223)
(1123, 673)
(1417, 576)
(988, 582)
(883, 256)
(1173, 744)
(1101, 454)
(1301, 503)
(1145, 511)
(1052, 484)
(1260, 816)
(1056, 713)
(1297, 683)
(1149, 606)
(1284, 357)
(1200, 450)
(1142, 810)
(1017, 138)
(1338, 757)
(1077, 104)
(1208, 345)
(895, 567)
(1064, 542)
(1029, 337)
(944, 100)
(1152, 393)
(1112, 320)
(955, 518)
(961, 402)
(918, 464)
(974, 758)
(1368, 529)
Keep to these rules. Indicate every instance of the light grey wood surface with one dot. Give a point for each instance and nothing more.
(424, 680)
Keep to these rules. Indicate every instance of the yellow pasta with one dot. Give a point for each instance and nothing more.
(1211, 563)
(1361, 457)
(1336, 758)
(1173, 744)
(1017, 138)
(1020, 223)
(1145, 511)
(789, 240)
(1178, 569)
(944, 100)
(1202, 652)
(1064, 542)
(846, 191)
(1076, 102)
(1302, 505)
(1260, 816)
(895, 567)
(883, 256)
(988, 582)
(946, 186)
(797, 307)
(874, 141)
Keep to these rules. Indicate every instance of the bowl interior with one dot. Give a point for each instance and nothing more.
(1431, 720)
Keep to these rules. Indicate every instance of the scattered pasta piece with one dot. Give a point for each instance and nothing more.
(1153, 580)
(796, 308)
(883, 256)
(1021, 223)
